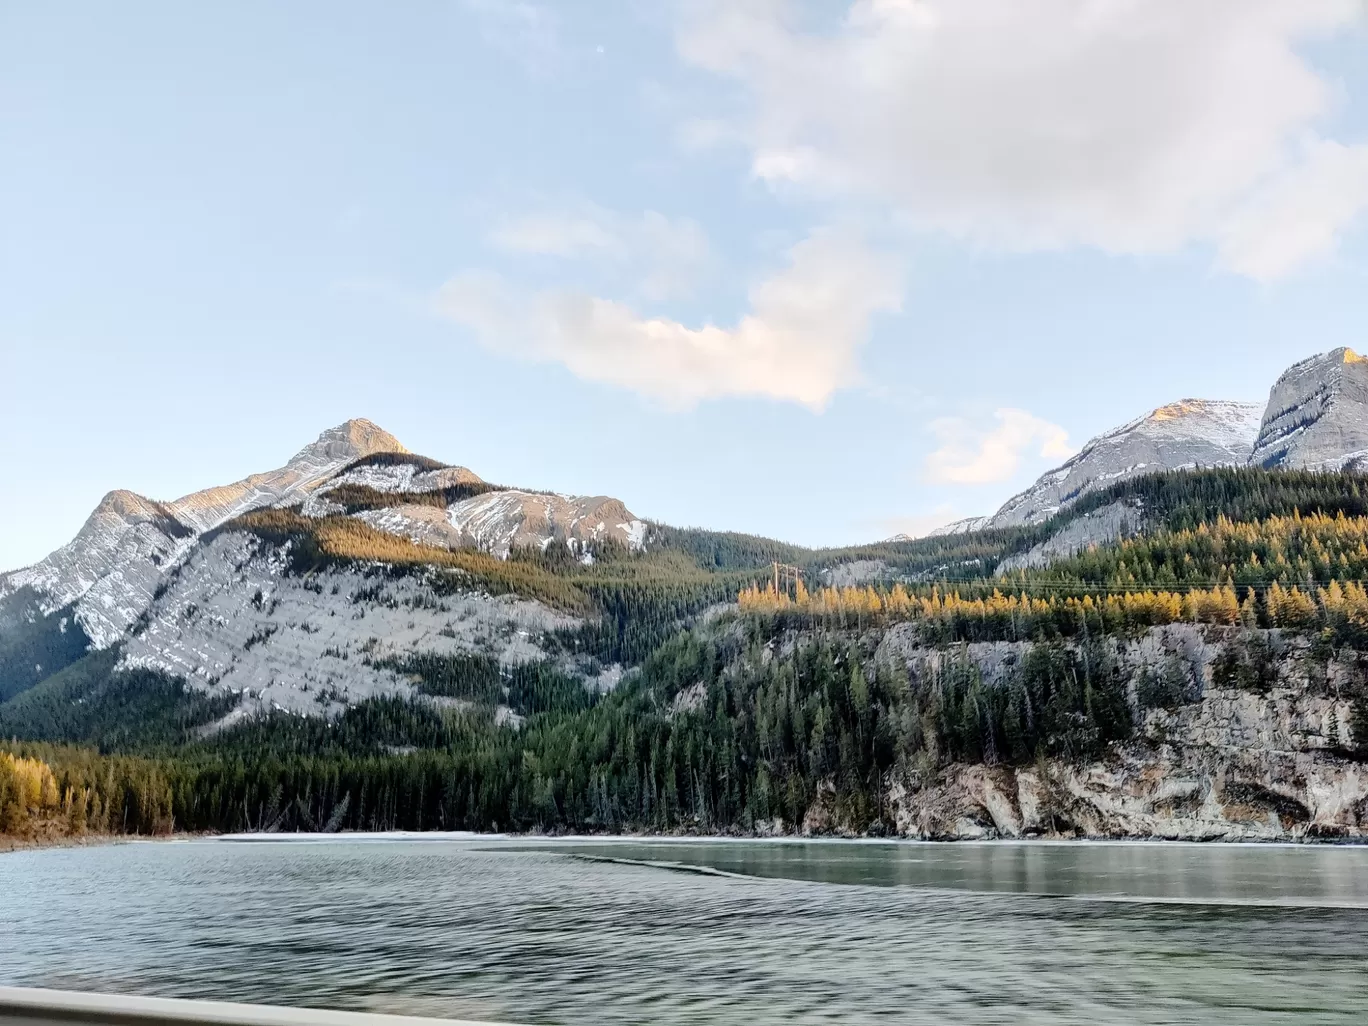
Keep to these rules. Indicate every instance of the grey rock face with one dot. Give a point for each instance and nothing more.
(234, 619)
(1182, 435)
(113, 569)
(1317, 416)
(1108, 524)
(856, 572)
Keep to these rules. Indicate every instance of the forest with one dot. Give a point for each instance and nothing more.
(710, 736)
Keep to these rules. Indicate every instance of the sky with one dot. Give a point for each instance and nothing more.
(820, 271)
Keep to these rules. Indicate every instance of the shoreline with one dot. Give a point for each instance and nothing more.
(12, 844)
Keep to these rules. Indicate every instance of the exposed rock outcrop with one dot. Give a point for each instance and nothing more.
(234, 619)
(1099, 527)
(965, 526)
(1228, 764)
(114, 567)
(498, 522)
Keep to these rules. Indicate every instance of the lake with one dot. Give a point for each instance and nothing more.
(675, 932)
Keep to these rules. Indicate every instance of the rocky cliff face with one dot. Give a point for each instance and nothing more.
(1111, 523)
(1186, 434)
(1316, 418)
(1229, 763)
(1317, 415)
(234, 619)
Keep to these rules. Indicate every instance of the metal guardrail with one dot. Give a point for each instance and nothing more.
(24, 1006)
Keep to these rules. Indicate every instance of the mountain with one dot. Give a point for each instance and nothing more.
(113, 566)
(234, 619)
(542, 662)
(1183, 435)
(178, 588)
(1317, 415)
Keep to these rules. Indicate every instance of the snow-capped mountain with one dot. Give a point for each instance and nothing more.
(1317, 415)
(224, 611)
(115, 565)
(1187, 434)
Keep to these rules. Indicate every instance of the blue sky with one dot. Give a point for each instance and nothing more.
(818, 271)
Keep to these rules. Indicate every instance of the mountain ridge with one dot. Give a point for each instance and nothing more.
(1186, 434)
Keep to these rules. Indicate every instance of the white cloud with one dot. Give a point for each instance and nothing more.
(972, 454)
(1133, 126)
(1297, 216)
(667, 255)
(799, 342)
(558, 234)
(527, 32)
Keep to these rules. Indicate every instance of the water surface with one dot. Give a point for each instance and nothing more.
(705, 932)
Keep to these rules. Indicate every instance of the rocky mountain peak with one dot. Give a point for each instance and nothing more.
(316, 463)
(129, 506)
(350, 441)
(1188, 433)
(1317, 416)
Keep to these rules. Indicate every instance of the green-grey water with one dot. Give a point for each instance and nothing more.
(677, 932)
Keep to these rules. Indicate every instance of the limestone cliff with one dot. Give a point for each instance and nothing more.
(1226, 763)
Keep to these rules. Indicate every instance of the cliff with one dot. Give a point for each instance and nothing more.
(1226, 758)
(1317, 416)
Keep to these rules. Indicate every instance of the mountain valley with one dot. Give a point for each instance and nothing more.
(1166, 636)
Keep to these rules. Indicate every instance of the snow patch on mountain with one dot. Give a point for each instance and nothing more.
(965, 526)
(498, 522)
(403, 477)
(422, 525)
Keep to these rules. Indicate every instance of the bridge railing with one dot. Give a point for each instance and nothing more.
(23, 1006)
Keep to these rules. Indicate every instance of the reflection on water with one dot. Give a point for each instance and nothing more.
(696, 932)
(1233, 874)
